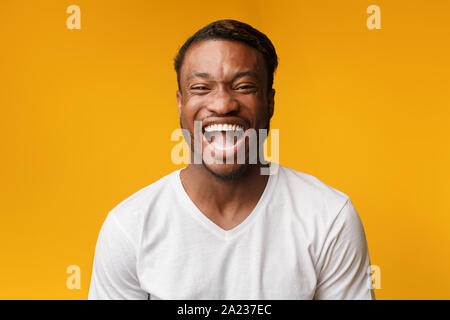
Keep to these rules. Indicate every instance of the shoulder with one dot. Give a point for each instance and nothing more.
(144, 196)
(310, 192)
(323, 214)
(313, 204)
(130, 213)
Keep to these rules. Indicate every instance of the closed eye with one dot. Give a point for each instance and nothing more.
(246, 88)
(199, 88)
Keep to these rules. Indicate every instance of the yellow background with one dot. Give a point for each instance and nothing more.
(86, 118)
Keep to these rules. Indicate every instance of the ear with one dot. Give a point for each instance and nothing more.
(179, 102)
(271, 101)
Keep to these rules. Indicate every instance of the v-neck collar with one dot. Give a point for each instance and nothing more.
(209, 224)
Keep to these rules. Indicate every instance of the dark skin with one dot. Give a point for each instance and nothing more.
(224, 81)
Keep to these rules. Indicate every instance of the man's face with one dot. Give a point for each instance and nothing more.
(224, 85)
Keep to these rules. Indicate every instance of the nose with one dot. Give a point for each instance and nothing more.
(223, 102)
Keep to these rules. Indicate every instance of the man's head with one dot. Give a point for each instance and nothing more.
(225, 76)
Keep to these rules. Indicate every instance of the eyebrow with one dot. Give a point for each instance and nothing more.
(199, 75)
(235, 77)
(243, 74)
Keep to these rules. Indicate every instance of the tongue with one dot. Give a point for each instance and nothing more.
(222, 140)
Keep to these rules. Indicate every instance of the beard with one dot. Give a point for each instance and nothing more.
(229, 176)
(237, 172)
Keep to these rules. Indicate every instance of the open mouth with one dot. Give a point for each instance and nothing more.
(223, 136)
(224, 139)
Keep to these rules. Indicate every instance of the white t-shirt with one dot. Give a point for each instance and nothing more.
(303, 240)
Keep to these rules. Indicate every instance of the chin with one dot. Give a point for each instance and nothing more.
(227, 172)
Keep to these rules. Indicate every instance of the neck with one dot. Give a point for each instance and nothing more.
(226, 197)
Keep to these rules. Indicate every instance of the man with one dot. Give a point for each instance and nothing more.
(221, 229)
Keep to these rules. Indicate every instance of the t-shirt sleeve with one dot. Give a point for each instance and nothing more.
(343, 264)
(114, 275)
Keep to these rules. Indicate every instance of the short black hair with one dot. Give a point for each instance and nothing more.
(235, 31)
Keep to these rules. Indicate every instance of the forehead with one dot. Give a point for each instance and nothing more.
(221, 58)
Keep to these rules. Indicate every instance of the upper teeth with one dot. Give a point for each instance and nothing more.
(223, 127)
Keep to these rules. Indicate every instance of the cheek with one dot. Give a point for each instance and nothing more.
(257, 108)
(189, 113)
(195, 105)
(187, 108)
